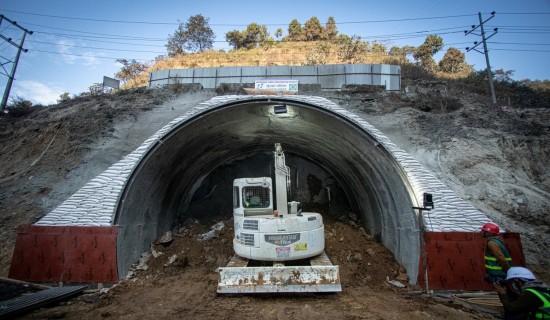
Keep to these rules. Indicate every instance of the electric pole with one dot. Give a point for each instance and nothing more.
(19, 47)
(485, 51)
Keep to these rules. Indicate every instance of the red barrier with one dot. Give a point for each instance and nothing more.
(65, 254)
(455, 260)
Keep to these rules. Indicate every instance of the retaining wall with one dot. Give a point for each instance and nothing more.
(328, 76)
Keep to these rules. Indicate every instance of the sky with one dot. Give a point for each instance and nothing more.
(74, 44)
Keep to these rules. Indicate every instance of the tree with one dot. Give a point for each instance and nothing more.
(95, 89)
(351, 49)
(20, 106)
(254, 36)
(425, 52)
(278, 33)
(314, 30)
(396, 51)
(295, 31)
(194, 35)
(408, 50)
(330, 28)
(503, 76)
(452, 61)
(378, 48)
(130, 69)
(65, 96)
(235, 39)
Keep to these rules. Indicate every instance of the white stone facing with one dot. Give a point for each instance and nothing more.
(95, 204)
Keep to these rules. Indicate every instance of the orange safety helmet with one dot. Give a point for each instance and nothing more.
(490, 227)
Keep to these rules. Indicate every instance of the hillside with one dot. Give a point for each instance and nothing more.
(301, 53)
(496, 159)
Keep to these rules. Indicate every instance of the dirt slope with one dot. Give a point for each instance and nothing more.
(495, 159)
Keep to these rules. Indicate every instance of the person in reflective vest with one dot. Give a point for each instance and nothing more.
(533, 299)
(497, 256)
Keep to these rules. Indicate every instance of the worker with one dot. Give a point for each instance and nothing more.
(252, 201)
(247, 197)
(497, 257)
(533, 298)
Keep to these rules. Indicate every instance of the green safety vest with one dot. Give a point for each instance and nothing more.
(544, 295)
(491, 263)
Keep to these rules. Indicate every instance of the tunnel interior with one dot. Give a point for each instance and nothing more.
(335, 164)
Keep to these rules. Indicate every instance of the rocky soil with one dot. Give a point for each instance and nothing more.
(496, 159)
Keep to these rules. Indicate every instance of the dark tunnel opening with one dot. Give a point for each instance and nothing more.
(199, 158)
(311, 185)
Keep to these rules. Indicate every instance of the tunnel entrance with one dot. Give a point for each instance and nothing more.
(332, 156)
(311, 185)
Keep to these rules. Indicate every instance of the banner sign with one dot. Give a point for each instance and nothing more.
(276, 85)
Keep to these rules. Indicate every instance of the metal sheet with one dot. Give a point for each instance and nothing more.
(29, 302)
(328, 76)
(65, 254)
(455, 260)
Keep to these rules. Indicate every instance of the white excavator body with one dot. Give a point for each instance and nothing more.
(276, 250)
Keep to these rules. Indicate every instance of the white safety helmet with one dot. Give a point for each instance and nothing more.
(521, 273)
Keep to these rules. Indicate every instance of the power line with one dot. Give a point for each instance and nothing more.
(521, 27)
(85, 56)
(525, 13)
(113, 42)
(521, 50)
(86, 47)
(390, 37)
(89, 19)
(233, 25)
(114, 37)
(522, 44)
(157, 52)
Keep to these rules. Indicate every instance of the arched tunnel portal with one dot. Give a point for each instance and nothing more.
(234, 140)
(340, 164)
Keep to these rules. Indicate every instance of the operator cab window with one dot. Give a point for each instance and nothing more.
(236, 203)
(256, 197)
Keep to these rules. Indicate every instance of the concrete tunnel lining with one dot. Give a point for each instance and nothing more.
(162, 186)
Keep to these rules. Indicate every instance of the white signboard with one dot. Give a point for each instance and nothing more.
(110, 82)
(276, 85)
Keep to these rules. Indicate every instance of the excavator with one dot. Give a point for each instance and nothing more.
(278, 248)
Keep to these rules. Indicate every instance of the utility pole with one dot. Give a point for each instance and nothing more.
(19, 47)
(485, 51)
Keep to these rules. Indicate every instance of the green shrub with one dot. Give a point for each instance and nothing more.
(20, 107)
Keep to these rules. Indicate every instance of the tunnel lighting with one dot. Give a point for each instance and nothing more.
(280, 109)
(428, 200)
(427, 203)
